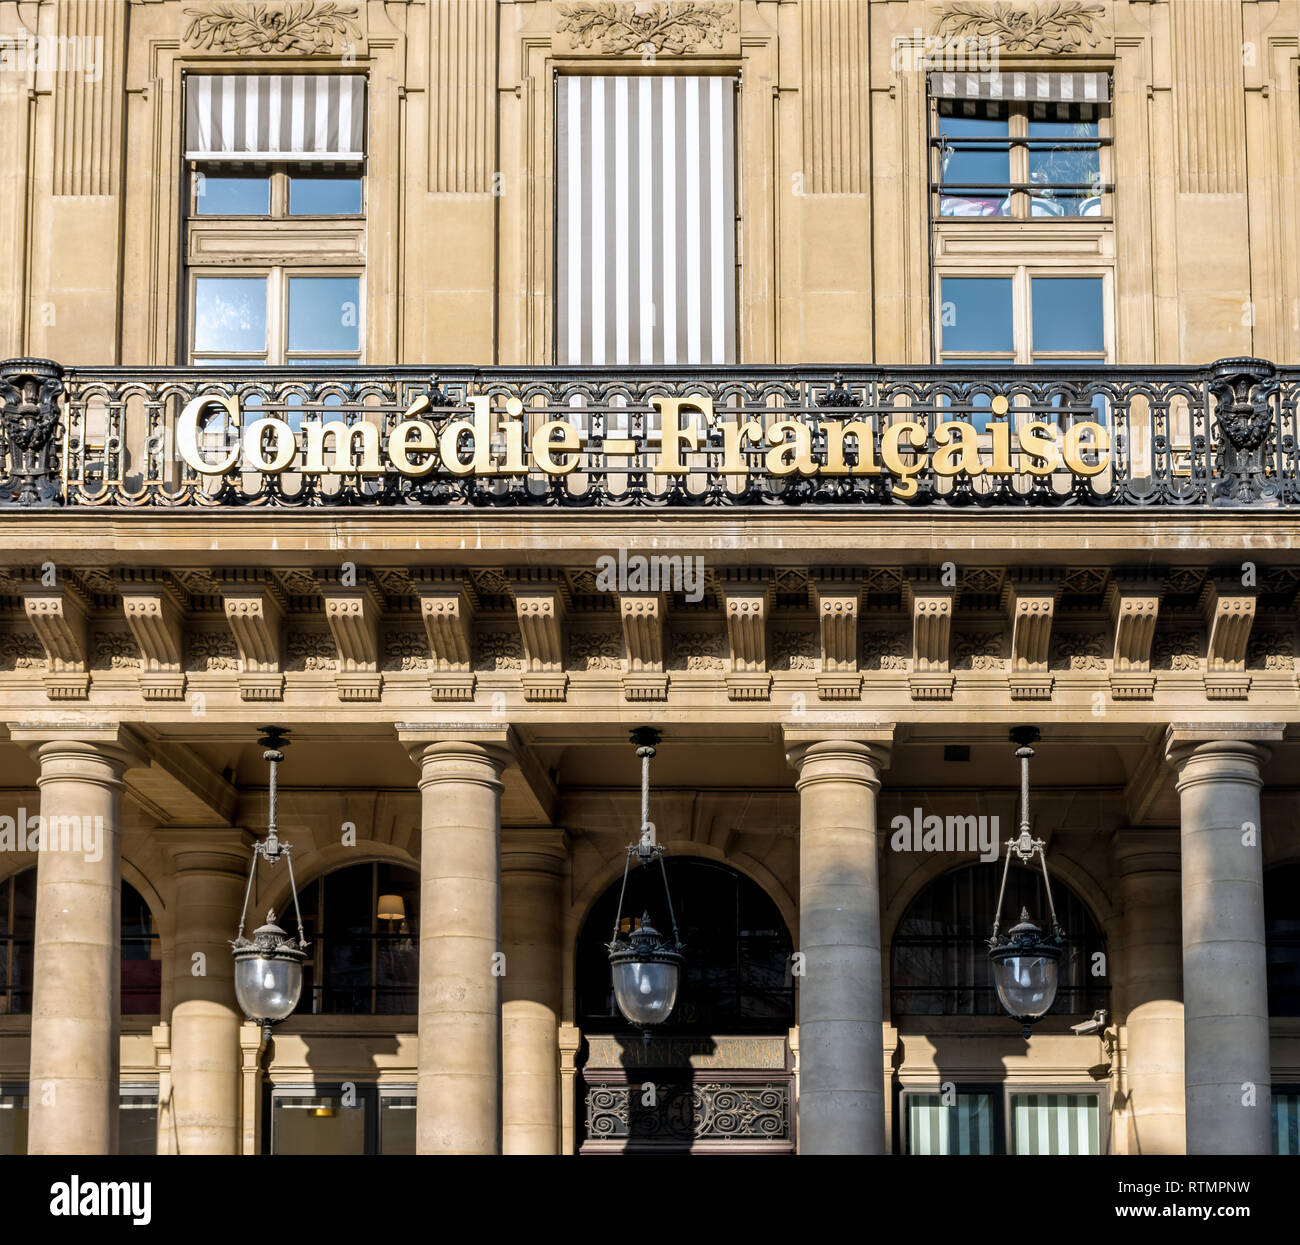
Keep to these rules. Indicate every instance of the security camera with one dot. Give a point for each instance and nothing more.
(1095, 1025)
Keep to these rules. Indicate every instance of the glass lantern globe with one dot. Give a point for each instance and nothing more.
(647, 970)
(268, 973)
(1026, 970)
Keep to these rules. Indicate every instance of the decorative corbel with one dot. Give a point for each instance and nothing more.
(353, 617)
(745, 608)
(1030, 604)
(254, 611)
(58, 616)
(642, 615)
(539, 607)
(446, 611)
(931, 605)
(1229, 612)
(1133, 606)
(153, 612)
(836, 603)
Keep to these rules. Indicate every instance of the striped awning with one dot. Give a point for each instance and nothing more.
(645, 220)
(1044, 88)
(275, 117)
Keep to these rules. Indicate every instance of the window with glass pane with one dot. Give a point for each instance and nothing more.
(962, 1123)
(13, 1119)
(396, 1123)
(363, 923)
(231, 194)
(319, 1123)
(324, 315)
(230, 318)
(1055, 1124)
(1282, 938)
(974, 159)
(324, 196)
(737, 978)
(1065, 167)
(141, 965)
(1006, 155)
(940, 962)
(138, 1120)
(1068, 318)
(1286, 1120)
(976, 319)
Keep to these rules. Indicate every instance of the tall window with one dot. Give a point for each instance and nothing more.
(1021, 215)
(939, 954)
(275, 231)
(737, 976)
(364, 926)
(141, 949)
(340, 1119)
(645, 221)
(1003, 1120)
(1282, 938)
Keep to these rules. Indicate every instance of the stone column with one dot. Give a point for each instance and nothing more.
(532, 878)
(841, 1056)
(459, 1082)
(1148, 866)
(76, 968)
(211, 875)
(1224, 984)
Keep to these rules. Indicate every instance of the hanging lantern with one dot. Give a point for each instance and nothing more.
(268, 967)
(1026, 960)
(646, 964)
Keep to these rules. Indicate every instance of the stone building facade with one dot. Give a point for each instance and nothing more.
(833, 385)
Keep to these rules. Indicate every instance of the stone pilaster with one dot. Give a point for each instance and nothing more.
(532, 877)
(459, 1079)
(1147, 864)
(76, 963)
(1225, 989)
(841, 1057)
(211, 871)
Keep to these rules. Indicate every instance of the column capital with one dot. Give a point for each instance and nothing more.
(108, 742)
(1237, 749)
(846, 753)
(534, 851)
(492, 741)
(1146, 851)
(206, 849)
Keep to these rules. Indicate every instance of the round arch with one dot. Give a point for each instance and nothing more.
(737, 977)
(938, 948)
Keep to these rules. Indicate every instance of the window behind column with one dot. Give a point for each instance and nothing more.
(141, 949)
(275, 228)
(645, 220)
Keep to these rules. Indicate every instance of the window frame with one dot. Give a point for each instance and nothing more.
(1022, 275)
(370, 1098)
(277, 352)
(1019, 141)
(1002, 1093)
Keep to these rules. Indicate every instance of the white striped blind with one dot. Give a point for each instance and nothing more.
(1286, 1121)
(1056, 1123)
(1056, 88)
(275, 117)
(645, 221)
(964, 1127)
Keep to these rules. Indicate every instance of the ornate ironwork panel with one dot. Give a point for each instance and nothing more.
(684, 1114)
(1222, 435)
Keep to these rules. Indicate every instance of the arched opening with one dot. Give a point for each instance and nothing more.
(363, 923)
(720, 1066)
(939, 963)
(737, 975)
(141, 985)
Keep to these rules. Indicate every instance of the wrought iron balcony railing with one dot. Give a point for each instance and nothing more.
(1220, 435)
